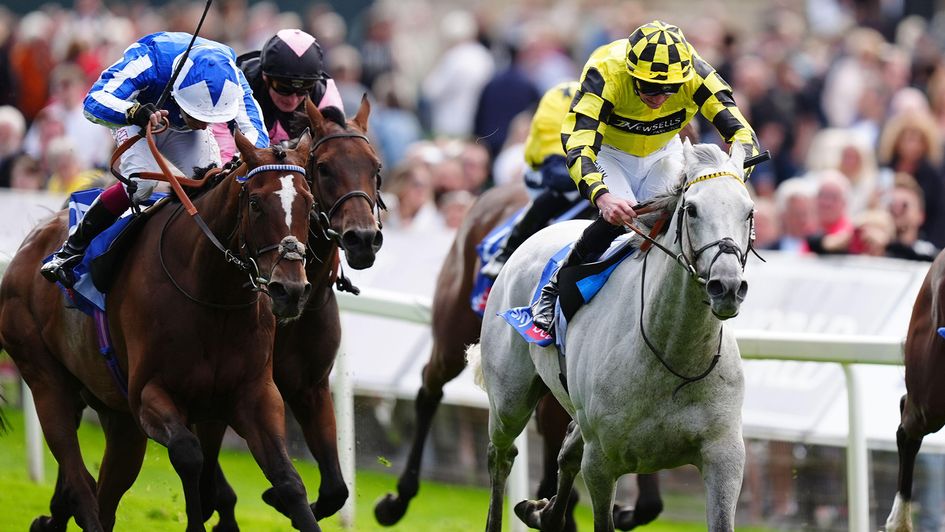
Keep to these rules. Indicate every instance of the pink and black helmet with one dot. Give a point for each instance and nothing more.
(292, 54)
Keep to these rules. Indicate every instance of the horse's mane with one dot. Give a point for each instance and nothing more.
(707, 157)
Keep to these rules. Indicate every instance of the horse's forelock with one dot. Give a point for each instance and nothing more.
(708, 158)
(335, 115)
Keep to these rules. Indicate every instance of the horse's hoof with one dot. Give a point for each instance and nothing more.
(389, 510)
(226, 527)
(328, 505)
(271, 498)
(529, 512)
(44, 523)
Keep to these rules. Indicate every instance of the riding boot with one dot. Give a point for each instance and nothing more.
(545, 207)
(59, 268)
(593, 242)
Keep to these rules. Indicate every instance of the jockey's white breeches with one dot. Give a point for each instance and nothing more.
(185, 150)
(640, 178)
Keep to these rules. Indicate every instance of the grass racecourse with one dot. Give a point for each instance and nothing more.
(155, 502)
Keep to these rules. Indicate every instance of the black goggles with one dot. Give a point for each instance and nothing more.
(647, 88)
(288, 87)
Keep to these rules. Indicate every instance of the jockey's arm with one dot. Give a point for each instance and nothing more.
(249, 119)
(582, 133)
(113, 95)
(715, 101)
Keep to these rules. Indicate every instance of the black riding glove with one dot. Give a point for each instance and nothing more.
(140, 114)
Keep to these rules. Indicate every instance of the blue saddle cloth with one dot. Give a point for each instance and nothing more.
(577, 285)
(84, 294)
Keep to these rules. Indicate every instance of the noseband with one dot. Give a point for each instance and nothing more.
(325, 217)
(726, 245)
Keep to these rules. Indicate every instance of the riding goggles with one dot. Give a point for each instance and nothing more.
(289, 87)
(648, 88)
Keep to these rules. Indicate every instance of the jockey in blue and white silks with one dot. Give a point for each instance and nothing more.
(210, 89)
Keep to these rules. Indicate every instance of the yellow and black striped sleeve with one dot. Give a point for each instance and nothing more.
(714, 98)
(583, 131)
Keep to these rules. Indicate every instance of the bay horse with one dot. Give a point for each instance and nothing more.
(195, 343)
(455, 326)
(344, 171)
(653, 379)
(922, 408)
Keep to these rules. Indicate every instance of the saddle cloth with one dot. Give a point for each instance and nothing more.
(93, 275)
(492, 244)
(577, 285)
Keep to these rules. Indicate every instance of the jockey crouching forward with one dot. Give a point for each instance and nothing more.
(210, 89)
(547, 176)
(287, 69)
(621, 134)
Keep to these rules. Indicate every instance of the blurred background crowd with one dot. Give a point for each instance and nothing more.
(849, 96)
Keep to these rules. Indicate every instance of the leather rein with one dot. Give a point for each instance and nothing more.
(245, 259)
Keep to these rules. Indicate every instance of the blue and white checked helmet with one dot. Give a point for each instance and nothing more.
(208, 87)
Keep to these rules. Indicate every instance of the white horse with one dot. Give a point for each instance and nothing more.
(646, 393)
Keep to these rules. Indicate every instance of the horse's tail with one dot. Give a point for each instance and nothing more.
(474, 363)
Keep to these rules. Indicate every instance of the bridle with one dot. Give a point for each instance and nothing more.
(246, 258)
(323, 217)
(726, 245)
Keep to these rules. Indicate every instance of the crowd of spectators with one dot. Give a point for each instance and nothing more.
(849, 97)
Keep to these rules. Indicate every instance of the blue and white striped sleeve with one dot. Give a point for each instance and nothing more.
(118, 86)
(249, 119)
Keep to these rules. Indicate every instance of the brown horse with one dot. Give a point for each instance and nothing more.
(923, 406)
(195, 343)
(342, 167)
(456, 326)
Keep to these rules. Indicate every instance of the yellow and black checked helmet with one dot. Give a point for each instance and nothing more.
(658, 53)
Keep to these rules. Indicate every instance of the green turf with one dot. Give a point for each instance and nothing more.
(155, 502)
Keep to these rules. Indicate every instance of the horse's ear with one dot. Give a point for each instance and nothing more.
(246, 148)
(315, 117)
(361, 119)
(689, 154)
(737, 155)
(304, 142)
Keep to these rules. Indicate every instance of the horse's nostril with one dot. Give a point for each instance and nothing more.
(715, 288)
(277, 290)
(378, 240)
(742, 290)
(306, 291)
(350, 239)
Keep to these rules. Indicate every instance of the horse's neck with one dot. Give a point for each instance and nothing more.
(321, 264)
(675, 316)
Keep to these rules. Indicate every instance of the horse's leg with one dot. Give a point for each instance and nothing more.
(446, 362)
(601, 486)
(260, 419)
(165, 424)
(305, 352)
(124, 452)
(59, 409)
(314, 410)
(900, 517)
(553, 421)
(213, 484)
(648, 506)
(723, 465)
(550, 515)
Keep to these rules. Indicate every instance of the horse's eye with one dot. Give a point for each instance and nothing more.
(321, 168)
(254, 203)
(691, 211)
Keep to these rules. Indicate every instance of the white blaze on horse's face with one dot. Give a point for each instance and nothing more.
(287, 196)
